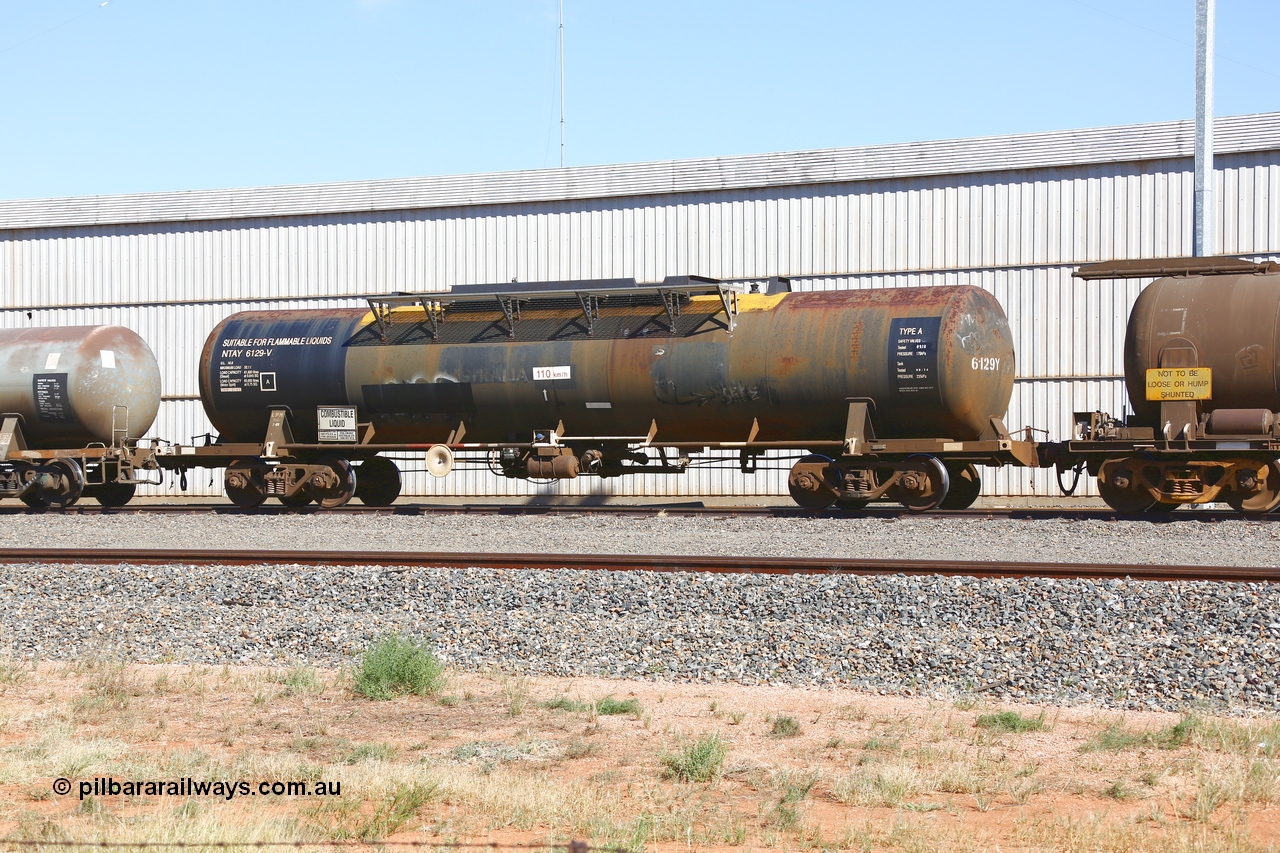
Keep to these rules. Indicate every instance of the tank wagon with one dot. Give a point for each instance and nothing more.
(74, 402)
(885, 394)
(1202, 365)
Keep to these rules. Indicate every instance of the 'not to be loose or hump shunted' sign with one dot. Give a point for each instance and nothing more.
(1180, 383)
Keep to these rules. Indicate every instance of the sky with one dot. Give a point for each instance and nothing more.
(149, 95)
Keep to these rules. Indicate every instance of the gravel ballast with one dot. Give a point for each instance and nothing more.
(1136, 644)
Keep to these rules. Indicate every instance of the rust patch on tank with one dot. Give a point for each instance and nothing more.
(304, 314)
(855, 337)
(914, 297)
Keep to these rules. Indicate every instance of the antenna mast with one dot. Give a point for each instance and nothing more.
(561, 84)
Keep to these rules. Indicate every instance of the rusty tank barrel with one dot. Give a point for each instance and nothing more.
(1228, 323)
(935, 362)
(75, 385)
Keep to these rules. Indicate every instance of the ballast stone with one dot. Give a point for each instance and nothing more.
(813, 631)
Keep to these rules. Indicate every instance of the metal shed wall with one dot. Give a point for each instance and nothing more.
(171, 272)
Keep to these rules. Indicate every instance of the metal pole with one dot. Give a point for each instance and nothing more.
(1205, 244)
(561, 84)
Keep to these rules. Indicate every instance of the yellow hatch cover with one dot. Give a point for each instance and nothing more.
(513, 300)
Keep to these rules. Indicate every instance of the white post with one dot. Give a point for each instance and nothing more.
(561, 84)
(1205, 209)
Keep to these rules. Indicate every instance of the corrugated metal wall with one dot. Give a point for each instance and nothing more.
(1019, 234)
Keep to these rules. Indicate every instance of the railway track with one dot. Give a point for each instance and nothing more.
(690, 509)
(630, 562)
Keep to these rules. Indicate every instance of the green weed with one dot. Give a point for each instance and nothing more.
(700, 761)
(785, 727)
(564, 703)
(1011, 721)
(1115, 738)
(398, 666)
(609, 706)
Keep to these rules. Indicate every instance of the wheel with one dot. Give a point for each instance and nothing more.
(809, 488)
(1265, 499)
(58, 484)
(297, 499)
(1125, 500)
(964, 489)
(338, 495)
(111, 494)
(377, 482)
(243, 483)
(931, 484)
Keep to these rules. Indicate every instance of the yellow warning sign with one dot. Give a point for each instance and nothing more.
(1179, 383)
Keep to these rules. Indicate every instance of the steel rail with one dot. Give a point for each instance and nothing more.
(632, 562)
(677, 509)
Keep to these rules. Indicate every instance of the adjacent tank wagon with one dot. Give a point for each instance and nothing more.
(887, 393)
(1202, 360)
(74, 401)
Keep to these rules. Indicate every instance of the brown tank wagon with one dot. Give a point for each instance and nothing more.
(1202, 360)
(74, 401)
(891, 394)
